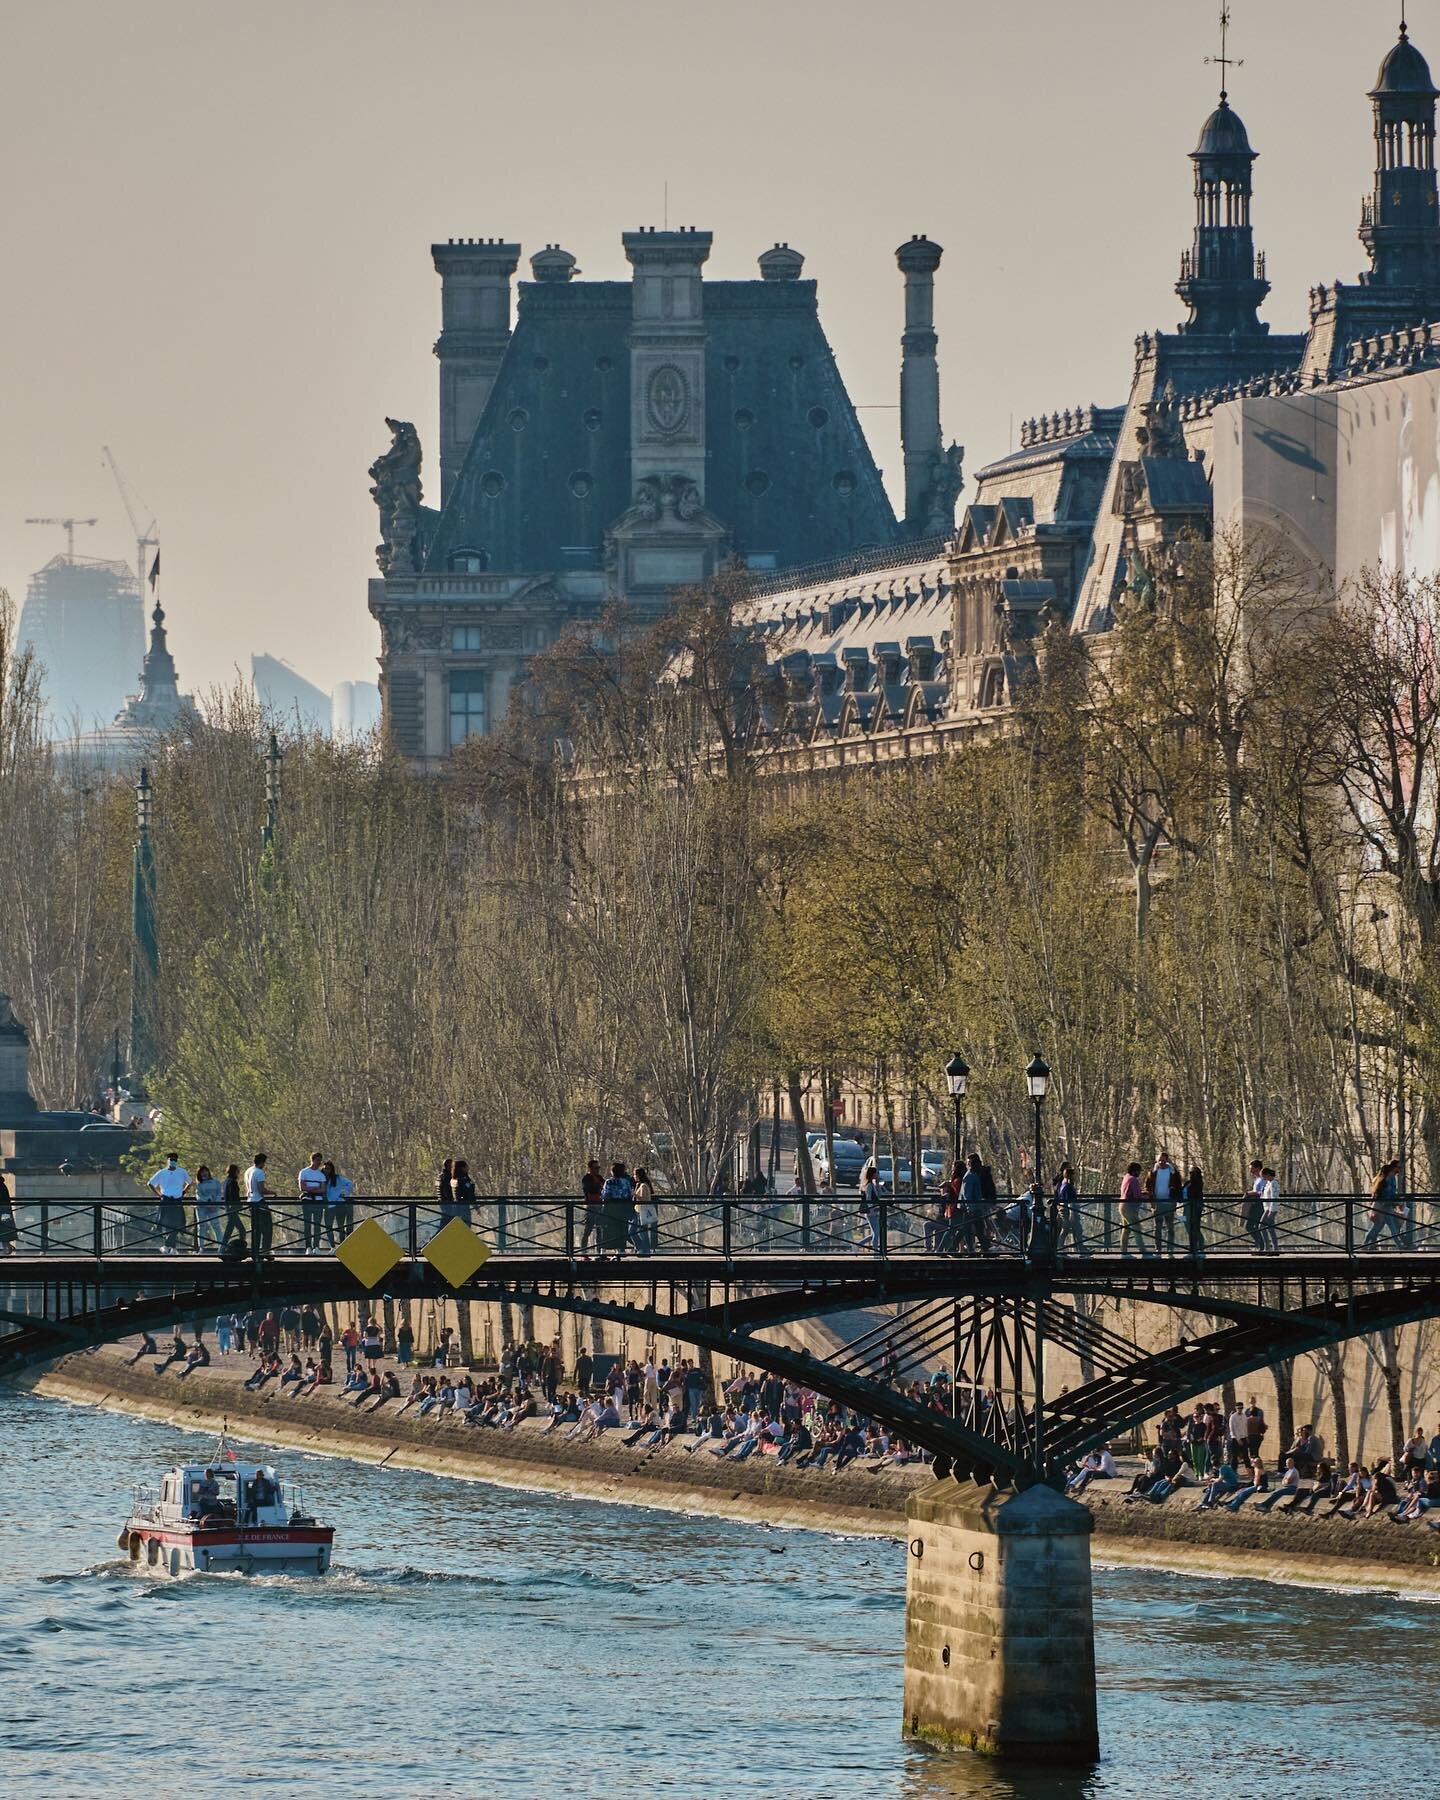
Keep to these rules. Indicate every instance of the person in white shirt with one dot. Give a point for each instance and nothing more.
(1238, 1432)
(312, 1183)
(1288, 1485)
(339, 1212)
(258, 1195)
(170, 1185)
(1268, 1193)
(1165, 1204)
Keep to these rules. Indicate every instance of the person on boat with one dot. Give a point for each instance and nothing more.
(260, 1491)
(205, 1496)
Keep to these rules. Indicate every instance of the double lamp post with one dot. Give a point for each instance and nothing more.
(957, 1079)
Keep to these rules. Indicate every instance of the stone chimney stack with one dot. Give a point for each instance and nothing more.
(919, 377)
(667, 354)
(475, 328)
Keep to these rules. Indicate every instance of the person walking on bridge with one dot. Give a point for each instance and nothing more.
(1165, 1200)
(1194, 1193)
(232, 1199)
(1132, 1208)
(262, 1221)
(170, 1185)
(311, 1184)
(1385, 1207)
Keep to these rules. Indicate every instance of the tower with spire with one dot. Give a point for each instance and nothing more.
(1400, 222)
(1222, 281)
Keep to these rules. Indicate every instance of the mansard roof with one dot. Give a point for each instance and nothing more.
(788, 469)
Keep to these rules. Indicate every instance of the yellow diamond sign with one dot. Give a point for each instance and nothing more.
(369, 1253)
(456, 1252)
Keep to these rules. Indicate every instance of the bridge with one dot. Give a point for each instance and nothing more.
(999, 1650)
(724, 1273)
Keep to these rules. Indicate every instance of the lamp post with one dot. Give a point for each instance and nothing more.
(144, 949)
(957, 1077)
(1038, 1077)
(272, 790)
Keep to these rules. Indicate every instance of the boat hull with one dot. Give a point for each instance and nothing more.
(258, 1550)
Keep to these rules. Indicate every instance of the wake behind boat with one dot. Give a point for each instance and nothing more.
(225, 1516)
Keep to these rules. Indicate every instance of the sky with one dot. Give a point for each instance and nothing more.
(215, 223)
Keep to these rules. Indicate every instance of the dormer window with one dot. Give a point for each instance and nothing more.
(468, 562)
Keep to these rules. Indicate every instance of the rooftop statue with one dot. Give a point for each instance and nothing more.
(947, 477)
(397, 492)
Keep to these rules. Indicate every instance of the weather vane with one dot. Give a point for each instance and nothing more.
(1226, 63)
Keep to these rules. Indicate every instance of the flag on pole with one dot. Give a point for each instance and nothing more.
(154, 571)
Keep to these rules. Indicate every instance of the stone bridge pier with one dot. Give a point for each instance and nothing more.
(999, 1627)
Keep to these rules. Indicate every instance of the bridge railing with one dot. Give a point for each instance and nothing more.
(547, 1225)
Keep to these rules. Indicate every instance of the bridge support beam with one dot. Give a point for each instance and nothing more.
(999, 1629)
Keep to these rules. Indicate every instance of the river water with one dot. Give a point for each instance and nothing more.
(477, 1640)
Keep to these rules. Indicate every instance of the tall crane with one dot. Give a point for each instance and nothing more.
(144, 539)
(68, 526)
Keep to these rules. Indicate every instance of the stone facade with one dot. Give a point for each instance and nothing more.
(621, 440)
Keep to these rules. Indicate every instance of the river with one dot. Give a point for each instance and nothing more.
(478, 1640)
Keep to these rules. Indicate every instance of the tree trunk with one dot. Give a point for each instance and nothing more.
(803, 1165)
(527, 1322)
(1390, 1364)
(389, 1325)
(465, 1328)
(507, 1323)
(1332, 1366)
(1284, 1373)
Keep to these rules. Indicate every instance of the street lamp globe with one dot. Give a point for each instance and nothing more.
(957, 1074)
(1038, 1076)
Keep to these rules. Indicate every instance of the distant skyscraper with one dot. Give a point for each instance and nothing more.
(83, 619)
(288, 695)
(354, 708)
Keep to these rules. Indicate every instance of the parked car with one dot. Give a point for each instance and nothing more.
(849, 1161)
(934, 1168)
(888, 1183)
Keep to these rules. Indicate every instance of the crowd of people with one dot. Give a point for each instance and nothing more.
(232, 1214)
(1220, 1457)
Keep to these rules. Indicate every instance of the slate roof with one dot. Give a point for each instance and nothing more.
(788, 468)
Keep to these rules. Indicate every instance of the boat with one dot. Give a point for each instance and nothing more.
(225, 1516)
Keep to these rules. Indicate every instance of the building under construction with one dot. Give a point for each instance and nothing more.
(84, 621)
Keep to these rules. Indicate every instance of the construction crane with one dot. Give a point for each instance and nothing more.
(68, 526)
(144, 539)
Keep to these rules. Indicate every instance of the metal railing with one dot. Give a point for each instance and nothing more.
(822, 1225)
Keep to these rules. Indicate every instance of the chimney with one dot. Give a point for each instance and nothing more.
(919, 376)
(475, 328)
(667, 354)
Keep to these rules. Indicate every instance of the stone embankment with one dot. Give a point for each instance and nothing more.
(1335, 1552)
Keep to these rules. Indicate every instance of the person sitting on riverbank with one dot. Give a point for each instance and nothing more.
(389, 1390)
(1307, 1450)
(265, 1371)
(356, 1382)
(293, 1372)
(1325, 1486)
(1422, 1496)
(416, 1394)
(563, 1410)
(1226, 1483)
(1152, 1472)
(309, 1379)
(599, 1416)
(1099, 1465)
(440, 1399)
(178, 1348)
(148, 1347)
(796, 1442)
(1259, 1483)
(1350, 1489)
(1286, 1488)
(1381, 1495)
(197, 1357)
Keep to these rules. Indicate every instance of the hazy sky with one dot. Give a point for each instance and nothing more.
(217, 219)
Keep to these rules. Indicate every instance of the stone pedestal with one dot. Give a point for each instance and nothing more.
(999, 1630)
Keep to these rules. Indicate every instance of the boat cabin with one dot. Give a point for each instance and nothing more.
(246, 1493)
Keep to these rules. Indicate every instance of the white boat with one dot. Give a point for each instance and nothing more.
(224, 1515)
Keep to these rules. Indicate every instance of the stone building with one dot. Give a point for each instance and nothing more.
(1225, 418)
(624, 438)
(627, 436)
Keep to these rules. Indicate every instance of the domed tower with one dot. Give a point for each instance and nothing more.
(1399, 225)
(1221, 279)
